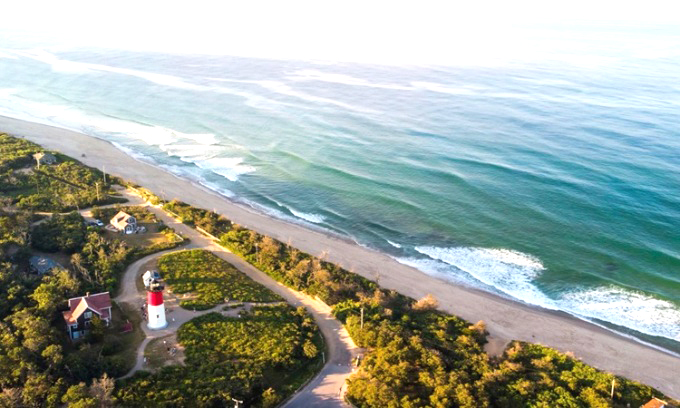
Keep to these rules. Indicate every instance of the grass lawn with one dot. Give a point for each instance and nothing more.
(157, 354)
(144, 239)
(142, 214)
(209, 280)
(129, 341)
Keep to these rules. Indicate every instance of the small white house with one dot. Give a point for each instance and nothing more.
(124, 222)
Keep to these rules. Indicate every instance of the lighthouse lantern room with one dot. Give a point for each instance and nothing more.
(154, 300)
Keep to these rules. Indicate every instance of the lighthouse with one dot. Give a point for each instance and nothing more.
(154, 300)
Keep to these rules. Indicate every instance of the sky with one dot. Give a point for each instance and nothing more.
(391, 32)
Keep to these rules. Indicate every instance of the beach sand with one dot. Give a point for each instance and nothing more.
(505, 319)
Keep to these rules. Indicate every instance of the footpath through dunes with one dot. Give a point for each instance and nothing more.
(326, 389)
(505, 319)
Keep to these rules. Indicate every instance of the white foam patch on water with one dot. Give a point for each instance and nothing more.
(627, 308)
(511, 272)
(219, 189)
(132, 153)
(311, 217)
(58, 64)
(281, 88)
(229, 167)
(394, 244)
(445, 89)
(439, 270)
(316, 75)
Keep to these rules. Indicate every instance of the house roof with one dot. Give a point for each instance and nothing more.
(655, 403)
(99, 303)
(43, 264)
(122, 219)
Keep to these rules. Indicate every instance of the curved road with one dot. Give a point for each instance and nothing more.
(327, 388)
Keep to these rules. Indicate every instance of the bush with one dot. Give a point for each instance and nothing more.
(60, 233)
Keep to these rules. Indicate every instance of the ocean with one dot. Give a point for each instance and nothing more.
(552, 181)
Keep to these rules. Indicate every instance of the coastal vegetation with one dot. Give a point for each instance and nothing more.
(260, 357)
(209, 280)
(63, 186)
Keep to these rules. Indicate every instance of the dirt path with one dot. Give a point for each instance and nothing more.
(326, 389)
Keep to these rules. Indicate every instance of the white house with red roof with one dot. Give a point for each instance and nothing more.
(83, 309)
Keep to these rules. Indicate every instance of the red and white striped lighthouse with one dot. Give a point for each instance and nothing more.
(154, 300)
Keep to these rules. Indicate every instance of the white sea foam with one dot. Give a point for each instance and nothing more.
(394, 244)
(214, 187)
(625, 308)
(281, 88)
(513, 273)
(62, 65)
(311, 217)
(439, 270)
(316, 75)
(445, 89)
(133, 153)
(229, 167)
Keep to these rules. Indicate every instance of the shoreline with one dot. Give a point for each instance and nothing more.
(506, 319)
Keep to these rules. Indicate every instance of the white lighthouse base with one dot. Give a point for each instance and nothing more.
(157, 317)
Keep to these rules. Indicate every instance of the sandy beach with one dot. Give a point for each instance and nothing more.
(506, 320)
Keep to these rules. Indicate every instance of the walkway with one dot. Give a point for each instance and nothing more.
(327, 388)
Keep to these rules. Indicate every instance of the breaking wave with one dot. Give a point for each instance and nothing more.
(514, 273)
(310, 217)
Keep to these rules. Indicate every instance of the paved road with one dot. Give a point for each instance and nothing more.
(328, 387)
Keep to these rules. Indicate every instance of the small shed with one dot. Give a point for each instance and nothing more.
(45, 158)
(42, 265)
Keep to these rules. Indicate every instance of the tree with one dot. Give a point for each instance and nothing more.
(53, 355)
(53, 290)
(97, 328)
(309, 349)
(102, 390)
(78, 396)
(269, 398)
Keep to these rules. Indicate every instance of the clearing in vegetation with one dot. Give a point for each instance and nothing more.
(210, 280)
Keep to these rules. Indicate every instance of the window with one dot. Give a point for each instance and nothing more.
(88, 315)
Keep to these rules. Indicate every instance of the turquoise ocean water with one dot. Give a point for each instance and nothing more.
(555, 181)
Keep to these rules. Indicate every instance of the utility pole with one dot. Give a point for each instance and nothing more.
(323, 357)
(237, 402)
(362, 317)
(97, 186)
(613, 383)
